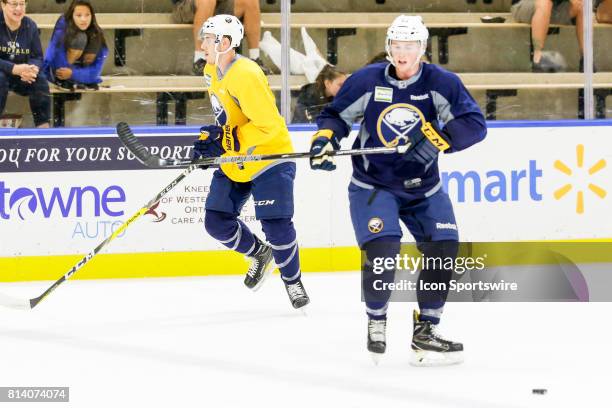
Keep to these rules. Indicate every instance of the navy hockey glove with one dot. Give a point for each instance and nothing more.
(322, 144)
(226, 135)
(209, 143)
(427, 144)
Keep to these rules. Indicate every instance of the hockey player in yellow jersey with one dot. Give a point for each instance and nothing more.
(241, 99)
(247, 122)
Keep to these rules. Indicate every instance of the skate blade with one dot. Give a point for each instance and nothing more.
(267, 273)
(376, 357)
(434, 359)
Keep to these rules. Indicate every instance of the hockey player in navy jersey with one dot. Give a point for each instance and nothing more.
(404, 101)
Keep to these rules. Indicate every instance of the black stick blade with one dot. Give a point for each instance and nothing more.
(130, 141)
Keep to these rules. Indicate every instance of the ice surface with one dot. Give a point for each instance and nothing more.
(210, 342)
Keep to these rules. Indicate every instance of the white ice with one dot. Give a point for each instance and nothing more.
(210, 342)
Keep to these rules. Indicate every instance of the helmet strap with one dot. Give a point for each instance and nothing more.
(218, 52)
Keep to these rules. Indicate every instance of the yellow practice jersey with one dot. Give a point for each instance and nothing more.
(242, 97)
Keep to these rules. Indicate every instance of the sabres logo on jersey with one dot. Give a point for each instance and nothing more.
(396, 122)
(375, 225)
(218, 110)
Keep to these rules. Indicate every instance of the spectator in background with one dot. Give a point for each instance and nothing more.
(315, 96)
(540, 14)
(21, 61)
(77, 50)
(197, 11)
(380, 57)
(603, 11)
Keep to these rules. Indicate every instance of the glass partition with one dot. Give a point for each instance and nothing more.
(148, 76)
(518, 62)
(602, 58)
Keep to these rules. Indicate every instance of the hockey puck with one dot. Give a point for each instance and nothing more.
(539, 391)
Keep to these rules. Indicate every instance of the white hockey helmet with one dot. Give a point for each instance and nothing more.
(224, 25)
(407, 28)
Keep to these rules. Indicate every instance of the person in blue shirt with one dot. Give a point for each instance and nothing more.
(21, 61)
(77, 49)
(402, 102)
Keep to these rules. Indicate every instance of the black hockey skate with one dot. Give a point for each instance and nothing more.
(430, 349)
(262, 264)
(377, 338)
(297, 294)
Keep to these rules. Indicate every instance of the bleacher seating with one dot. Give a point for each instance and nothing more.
(180, 89)
(442, 26)
(489, 75)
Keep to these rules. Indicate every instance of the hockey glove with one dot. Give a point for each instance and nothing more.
(208, 145)
(427, 144)
(322, 144)
(226, 135)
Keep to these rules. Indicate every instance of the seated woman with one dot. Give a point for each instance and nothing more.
(314, 97)
(77, 49)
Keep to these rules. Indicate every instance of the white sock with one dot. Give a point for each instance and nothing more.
(198, 55)
(253, 53)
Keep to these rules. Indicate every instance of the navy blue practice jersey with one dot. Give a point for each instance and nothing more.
(391, 110)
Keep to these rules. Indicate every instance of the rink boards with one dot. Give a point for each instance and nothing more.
(64, 191)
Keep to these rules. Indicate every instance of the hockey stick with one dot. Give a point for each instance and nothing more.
(139, 150)
(15, 303)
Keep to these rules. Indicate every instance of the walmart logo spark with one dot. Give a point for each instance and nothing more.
(563, 168)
